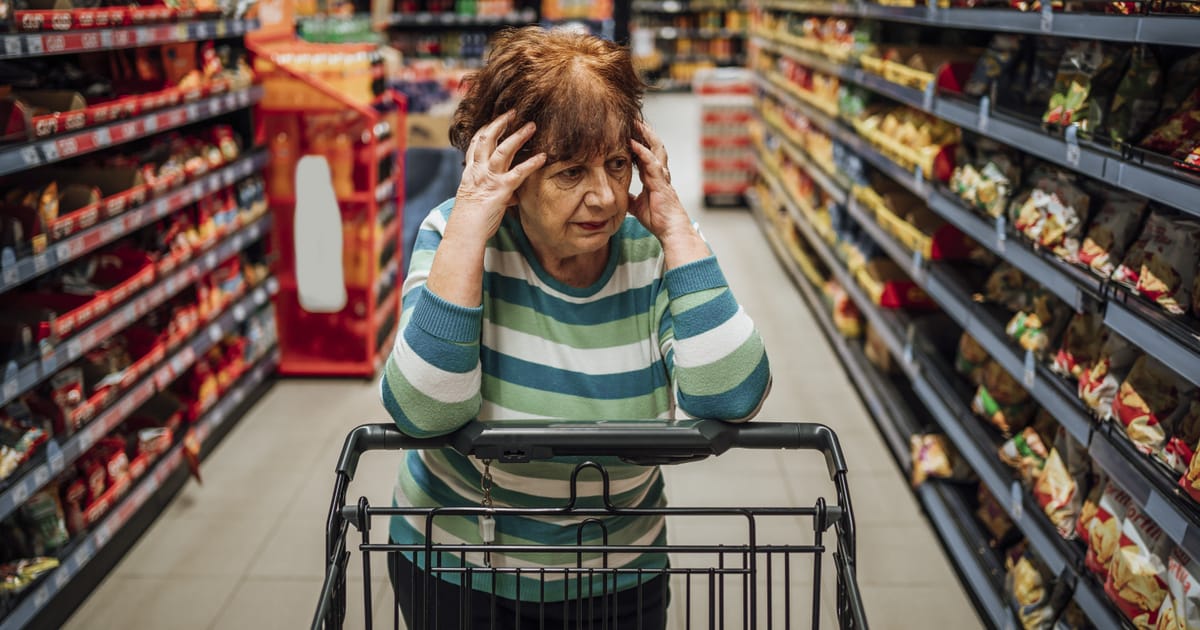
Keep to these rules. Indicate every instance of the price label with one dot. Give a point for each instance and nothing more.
(211, 260)
(41, 476)
(162, 207)
(11, 389)
(150, 124)
(908, 353)
(61, 578)
(919, 181)
(238, 241)
(193, 111)
(55, 462)
(12, 46)
(1047, 21)
(244, 98)
(103, 136)
(41, 597)
(1018, 500)
(260, 296)
(103, 534)
(1030, 374)
(11, 275)
(222, 28)
(74, 349)
(21, 492)
(30, 157)
(197, 190)
(41, 262)
(33, 45)
(215, 333)
(927, 97)
(918, 266)
(985, 111)
(1001, 233)
(1072, 138)
(50, 151)
(239, 313)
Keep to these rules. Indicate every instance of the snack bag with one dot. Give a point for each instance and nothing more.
(1181, 608)
(1002, 401)
(1147, 399)
(1026, 453)
(1178, 135)
(995, 65)
(1113, 228)
(1035, 328)
(995, 520)
(1138, 96)
(933, 457)
(1060, 487)
(1009, 288)
(1131, 265)
(1137, 577)
(1025, 585)
(1169, 266)
(1081, 345)
(1053, 214)
(1184, 437)
(43, 515)
(1090, 508)
(1104, 530)
(971, 359)
(1098, 386)
(1088, 73)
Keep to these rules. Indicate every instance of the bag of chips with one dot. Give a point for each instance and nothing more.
(1130, 268)
(1025, 453)
(1169, 266)
(1002, 401)
(1090, 508)
(1137, 577)
(1009, 288)
(1059, 489)
(43, 516)
(1025, 583)
(1034, 329)
(995, 65)
(971, 359)
(1181, 608)
(1138, 96)
(995, 520)
(1088, 73)
(934, 457)
(1146, 402)
(1098, 385)
(1081, 345)
(1113, 228)
(1180, 133)
(1184, 437)
(1104, 530)
(1053, 214)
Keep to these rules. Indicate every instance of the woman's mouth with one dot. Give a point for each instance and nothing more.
(592, 226)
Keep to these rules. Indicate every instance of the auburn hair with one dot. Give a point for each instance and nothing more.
(580, 90)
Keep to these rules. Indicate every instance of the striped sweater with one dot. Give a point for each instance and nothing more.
(637, 344)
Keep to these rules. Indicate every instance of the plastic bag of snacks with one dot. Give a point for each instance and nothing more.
(846, 317)
(933, 457)
(1179, 119)
(1099, 384)
(1088, 73)
(1090, 507)
(1184, 436)
(1025, 453)
(1147, 401)
(971, 359)
(995, 65)
(1035, 328)
(43, 516)
(17, 576)
(1025, 583)
(1060, 487)
(1169, 266)
(1081, 344)
(995, 520)
(1137, 577)
(989, 187)
(1009, 288)
(1053, 214)
(1138, 96)
(1181, 608)
(1113, 228)
(1102, 532)
(1002, 401)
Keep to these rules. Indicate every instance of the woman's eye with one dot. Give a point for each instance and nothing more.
(574, 172)
(618, 164)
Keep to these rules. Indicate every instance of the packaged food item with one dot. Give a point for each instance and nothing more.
(1183, 437)
(1026, 453)
(1035, 329)
(1009, 288)
(934, 457)
(1090, 507)
(877, 351)
(1169, 266)
(1026, 584)
(1002, 401)
(15, 577)
(971, 359)
(1146, 401)
(995, 65)
(1137, 577)
(43, 514)
(846, 317)
(1081, 344)
(995, 520)
(1179, 134)
(1113, 228)
(19, 439)
(987, 189)
(1053, 214)
(1104, 530)
(1099, 384)
(1138, 96)
(1059, 488)
(1088, 73)
(1181, 607)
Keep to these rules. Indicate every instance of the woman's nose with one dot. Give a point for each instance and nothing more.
(602, 191)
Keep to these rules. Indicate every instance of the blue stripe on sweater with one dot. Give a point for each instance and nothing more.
(705, 317)
(520, 293)
(393, 408)
(734, 404)
(618, 386)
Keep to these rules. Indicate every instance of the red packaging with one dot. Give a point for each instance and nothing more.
(1103, 531)
(1137, 577)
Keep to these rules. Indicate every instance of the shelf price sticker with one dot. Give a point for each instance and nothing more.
(11, 388)
(11, 275)
(1029, 375)
(55, 462)
(30, 157)
(1001, 233)
(12, 46)
(33, 45)
(1047, 20)
(927, 96)
(910, 335)
(985, 107)
(215, 333)
(1018, 500)
(918, 266)
(1072, 138)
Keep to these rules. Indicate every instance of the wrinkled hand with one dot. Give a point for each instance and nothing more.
(657, 207)
(489, 180)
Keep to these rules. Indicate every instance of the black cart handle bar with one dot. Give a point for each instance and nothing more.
(643, 442)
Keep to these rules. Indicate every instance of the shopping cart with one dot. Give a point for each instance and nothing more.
(746, 572)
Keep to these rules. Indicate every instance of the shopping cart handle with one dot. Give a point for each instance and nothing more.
(643, 442)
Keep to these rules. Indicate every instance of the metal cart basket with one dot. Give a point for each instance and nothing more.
(746, 576)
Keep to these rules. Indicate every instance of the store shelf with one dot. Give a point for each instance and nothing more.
(59, 456)
(670, 32)
(16, 46)
(1150, 29)
(145, 488)
(1170, 340)
(14, 271)
(20, 157)
(20, 380)
(674, 6)
(970, 438)
(425, 19)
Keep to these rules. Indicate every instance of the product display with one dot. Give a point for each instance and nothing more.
(675, 49)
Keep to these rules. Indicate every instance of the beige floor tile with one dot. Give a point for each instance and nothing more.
(199, 546)
(268, 604)
(147, 603)
(901, 555)
(907, 607)
(883, 499)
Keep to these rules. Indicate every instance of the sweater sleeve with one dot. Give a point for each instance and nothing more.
(713, 350)
(431, 380)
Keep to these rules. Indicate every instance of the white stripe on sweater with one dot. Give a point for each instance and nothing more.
(714, 344)
(434, 382)
(591, 361)
(512, 264)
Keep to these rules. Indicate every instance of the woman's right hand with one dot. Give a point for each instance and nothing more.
(489, 181)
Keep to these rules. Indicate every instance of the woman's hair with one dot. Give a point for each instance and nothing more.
(581, 90)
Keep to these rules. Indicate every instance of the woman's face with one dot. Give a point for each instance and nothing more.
(572, 207)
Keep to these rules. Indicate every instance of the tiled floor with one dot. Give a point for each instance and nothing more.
(244, 550)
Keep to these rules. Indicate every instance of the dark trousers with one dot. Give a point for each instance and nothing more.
(480, 610)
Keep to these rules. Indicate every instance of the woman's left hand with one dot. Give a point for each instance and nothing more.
(657, 207)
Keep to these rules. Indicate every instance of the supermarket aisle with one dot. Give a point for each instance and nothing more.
(244, 549)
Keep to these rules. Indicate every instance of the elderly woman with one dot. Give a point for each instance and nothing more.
(544, 289)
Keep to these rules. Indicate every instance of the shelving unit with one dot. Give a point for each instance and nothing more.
(457, 35)
(59, 139)
(673, 40)
(1174, 341)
